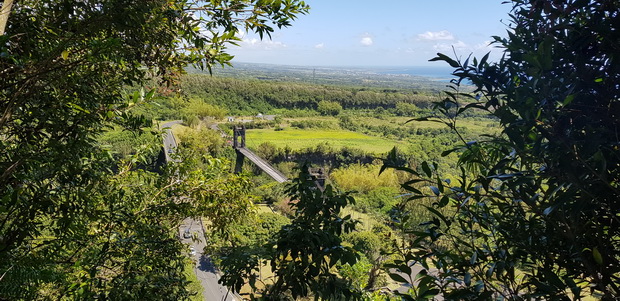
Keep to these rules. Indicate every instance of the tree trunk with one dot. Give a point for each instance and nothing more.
(4, 14)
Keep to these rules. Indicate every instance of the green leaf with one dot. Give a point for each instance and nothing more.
(444, 201)
(438, 214)
(405, 269)
(398, 278)
(428, 294)
(447, 152)
(598, 258)
(411, 188)
(445, 58)
(484, 59)
(568, 100)
(575, 289)
(426, 169)
(150, 95)
(473, 258)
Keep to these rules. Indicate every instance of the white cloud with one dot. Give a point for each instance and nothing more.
(256, 43)
(319, 46)
(444, 47)
(366, 41)
(436, 36)
(251, 41)
(241, 34)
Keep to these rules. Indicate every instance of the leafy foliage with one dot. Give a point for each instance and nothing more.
(373, 246)
(254, 232)
(305, 251)
(329, 108)
(75, 224)
(536, 208)
(205, 141)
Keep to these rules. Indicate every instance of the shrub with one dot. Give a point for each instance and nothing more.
(380, 199)
(329, 108)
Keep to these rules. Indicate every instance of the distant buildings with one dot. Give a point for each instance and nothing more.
(232, 119)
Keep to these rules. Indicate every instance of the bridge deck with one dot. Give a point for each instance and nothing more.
(264, 165)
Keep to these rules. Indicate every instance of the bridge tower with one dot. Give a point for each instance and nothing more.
(239, 142)
(320, 177)
(243, 152)
(239, 136)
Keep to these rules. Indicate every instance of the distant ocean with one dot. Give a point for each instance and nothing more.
(439, 73)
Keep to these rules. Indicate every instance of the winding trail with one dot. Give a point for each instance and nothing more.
(205, 270)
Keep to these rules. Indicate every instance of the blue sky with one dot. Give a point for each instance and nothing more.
(380, 33)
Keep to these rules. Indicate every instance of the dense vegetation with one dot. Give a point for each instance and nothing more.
(535, 209)
(251, 96)
(76, 222)
(507, 192)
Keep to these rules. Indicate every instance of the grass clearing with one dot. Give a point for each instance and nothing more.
(193, 285)
(475, 125)
(299, 139)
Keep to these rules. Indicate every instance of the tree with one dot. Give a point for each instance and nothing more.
(373, 246)
(304, 253)
(405, 109)
(329, 107)
(75, 223)
(198, 108)
(535, 213)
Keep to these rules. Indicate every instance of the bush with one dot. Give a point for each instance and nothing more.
(380, 199)
(201, 110)
(267, 151)
(123, 143)
(406, 109)
(203, 140)
(329, 108)
(534, 214)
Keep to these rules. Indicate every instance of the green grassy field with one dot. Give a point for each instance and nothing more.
(298, 139)
(479, 126)
(474, 125)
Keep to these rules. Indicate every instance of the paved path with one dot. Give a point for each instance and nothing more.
(170, 143)
(206, 272)
(215, 127)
